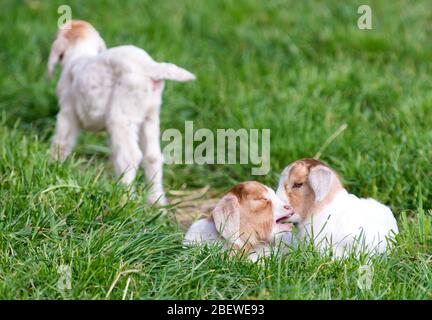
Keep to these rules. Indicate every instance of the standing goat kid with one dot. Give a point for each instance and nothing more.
(119, 89)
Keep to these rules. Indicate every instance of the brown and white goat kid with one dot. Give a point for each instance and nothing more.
(325, 211)
(249, 217)
(118, 89)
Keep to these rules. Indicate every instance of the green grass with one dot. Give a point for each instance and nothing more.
(300, 68)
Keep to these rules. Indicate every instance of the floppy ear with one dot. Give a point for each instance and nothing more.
(320, 178)
(57, 51)
(169, 71)
(226, 216)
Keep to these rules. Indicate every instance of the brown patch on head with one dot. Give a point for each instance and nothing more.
(69, 37)
(78, 30)
(247, 189)
(244, 216)
(256, 213)
(301, 192)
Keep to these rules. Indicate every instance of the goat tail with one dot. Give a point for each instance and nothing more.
(169, 71)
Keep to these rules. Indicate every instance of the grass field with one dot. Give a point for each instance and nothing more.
(300, 68)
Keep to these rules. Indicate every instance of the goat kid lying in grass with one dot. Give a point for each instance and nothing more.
(119, 89)
(335, 219)
(249, 218)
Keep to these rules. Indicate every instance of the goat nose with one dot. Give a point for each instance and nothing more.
(287, 207)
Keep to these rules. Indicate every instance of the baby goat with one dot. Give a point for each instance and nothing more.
(119, 89)
(249, 217)
(324, 210)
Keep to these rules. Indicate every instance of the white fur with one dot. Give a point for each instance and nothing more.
(201, 231)
(320, 179)
(350, 224)
(119, 89)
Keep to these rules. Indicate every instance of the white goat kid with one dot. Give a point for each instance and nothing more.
(118, 89)
(250, 218)
(325, 211)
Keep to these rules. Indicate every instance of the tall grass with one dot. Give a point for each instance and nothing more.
(300, 68)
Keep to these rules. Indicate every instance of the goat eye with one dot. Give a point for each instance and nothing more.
(297, 185)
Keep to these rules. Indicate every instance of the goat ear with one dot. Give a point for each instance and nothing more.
(54, 57)
(320, 179)
(226, 216)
